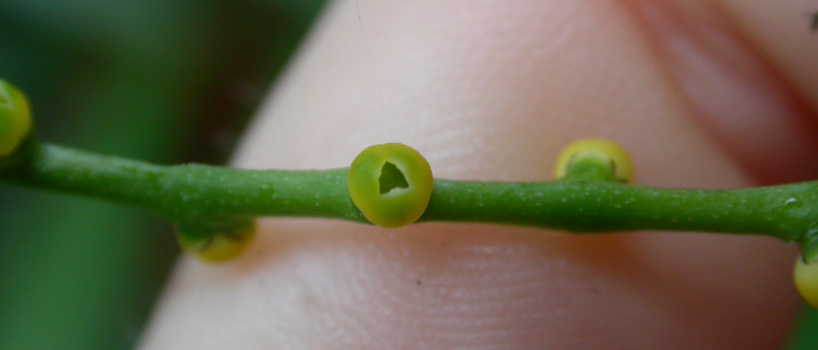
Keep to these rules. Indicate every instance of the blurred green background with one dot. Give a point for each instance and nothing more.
(167, 81)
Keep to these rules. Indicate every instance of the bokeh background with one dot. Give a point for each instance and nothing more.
(167, 81)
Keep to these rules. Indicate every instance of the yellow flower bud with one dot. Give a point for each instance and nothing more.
(214, 243)
(805, 277)
(15, 118)
(390, 184)
(606, 150)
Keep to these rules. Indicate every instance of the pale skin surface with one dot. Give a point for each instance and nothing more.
(722, 94)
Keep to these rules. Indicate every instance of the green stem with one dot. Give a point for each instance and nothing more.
(579, 203)
(189, 192)
(582, 206)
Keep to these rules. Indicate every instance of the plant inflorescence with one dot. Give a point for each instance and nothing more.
(391, 185)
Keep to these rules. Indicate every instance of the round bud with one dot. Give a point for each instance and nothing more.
(15, 118)
(214, 243)
(805, 277)
(608, 152)
(390, 184)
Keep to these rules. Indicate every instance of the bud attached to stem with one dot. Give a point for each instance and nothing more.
(15, 118)
(805, 277)
(215, 242)
(390, 184)
(604, 154)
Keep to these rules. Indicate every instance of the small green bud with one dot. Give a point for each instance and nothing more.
(15, 118)
(602, 151)
(390, 184)
(215, 242)
(805, 277)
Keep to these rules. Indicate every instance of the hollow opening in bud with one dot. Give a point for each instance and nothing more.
(391, 178)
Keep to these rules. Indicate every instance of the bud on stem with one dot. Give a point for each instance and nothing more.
(15, 118)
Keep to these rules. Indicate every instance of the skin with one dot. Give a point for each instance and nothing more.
(708, 94)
